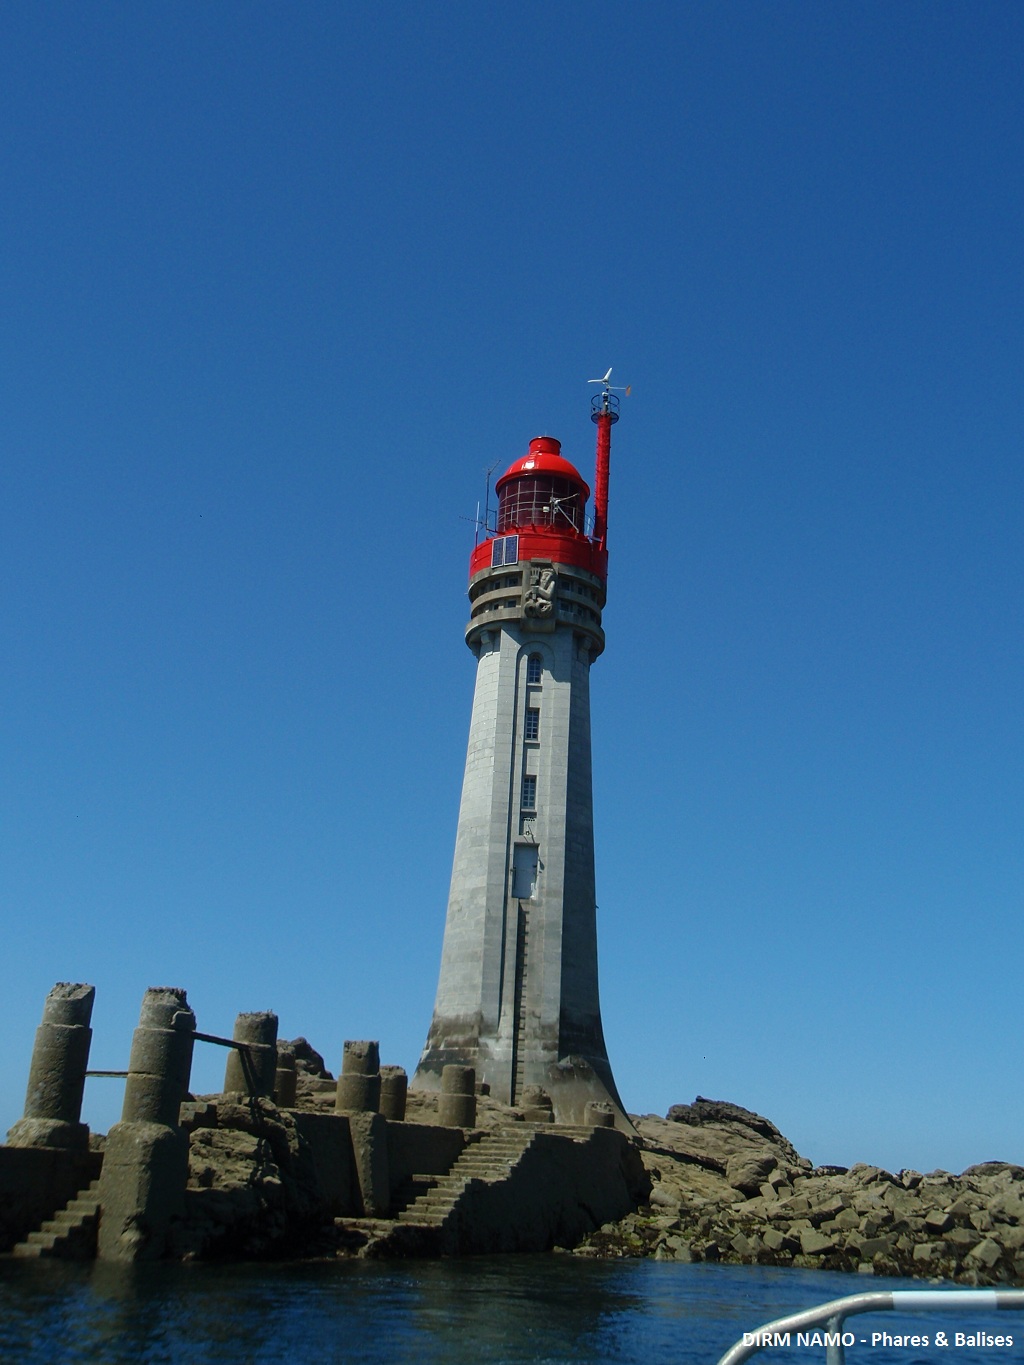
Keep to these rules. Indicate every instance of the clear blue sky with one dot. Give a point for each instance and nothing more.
(280, 282)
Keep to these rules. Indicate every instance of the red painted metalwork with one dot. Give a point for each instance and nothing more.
(542, 499)
(604, 453)
(579, 551)
(543, 457)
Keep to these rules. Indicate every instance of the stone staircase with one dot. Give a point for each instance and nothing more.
(490, 1160)
(428, 1224)
(70, 1235)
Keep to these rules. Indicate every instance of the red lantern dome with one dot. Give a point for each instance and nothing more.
(542, 489)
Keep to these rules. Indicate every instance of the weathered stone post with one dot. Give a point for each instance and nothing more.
(394, 1087)
(537, 1106)
(145, 1164)
(456, 1104)
(259, 1032)
(285, 1077)
(359, 1082)
(56, 1078)
(358, 1096)
(598, 1114)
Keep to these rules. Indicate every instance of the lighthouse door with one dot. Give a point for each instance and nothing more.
(524, 871)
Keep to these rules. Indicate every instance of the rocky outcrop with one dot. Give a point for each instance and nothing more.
(308, 1062)
(252, 1188)
(727, 1186)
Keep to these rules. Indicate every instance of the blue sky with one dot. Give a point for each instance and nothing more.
(281, 282)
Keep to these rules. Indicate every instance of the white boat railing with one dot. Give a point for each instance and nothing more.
(824, 1325)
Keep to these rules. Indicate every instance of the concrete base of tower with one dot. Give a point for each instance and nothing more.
(571, 1082)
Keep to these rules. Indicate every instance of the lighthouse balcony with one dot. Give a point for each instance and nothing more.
(538, 596)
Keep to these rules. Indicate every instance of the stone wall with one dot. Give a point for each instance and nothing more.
(415, 1149)
(329, 1140)
(555, 1196)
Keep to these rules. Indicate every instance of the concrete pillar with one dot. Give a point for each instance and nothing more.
(537, 1106)
(359, 1082)
(259, 1032)
(456, 1104)
(161, 1058)
(369, 1133)
(285, 1077)
(145, 1164)
(394, 1086)
(56, 1078)
(599, 1115)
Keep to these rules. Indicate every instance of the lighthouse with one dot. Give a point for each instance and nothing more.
(517, 997)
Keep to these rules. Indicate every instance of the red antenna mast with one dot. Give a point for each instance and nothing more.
(604, 410)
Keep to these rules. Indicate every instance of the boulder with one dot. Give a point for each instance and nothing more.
(308, 1062)
(704, 1113)
(938, 1220)
(813, 1243)
(986, 1253)
(747, 1173)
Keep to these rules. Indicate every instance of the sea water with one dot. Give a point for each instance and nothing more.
(479, 1309)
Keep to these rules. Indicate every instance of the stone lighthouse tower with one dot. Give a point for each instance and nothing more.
(517, 996)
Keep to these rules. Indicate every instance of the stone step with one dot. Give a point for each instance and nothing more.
(491, 1154)
(82, 1205)
(477, 1167)
(496, 1158)
(365, 1224)
(70, 1233)
(488, 1159)
(70, 1220)
(446, 1200)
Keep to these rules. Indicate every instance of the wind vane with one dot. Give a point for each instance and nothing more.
(605, 399)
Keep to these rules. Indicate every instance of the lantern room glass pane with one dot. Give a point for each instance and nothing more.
(541, 501)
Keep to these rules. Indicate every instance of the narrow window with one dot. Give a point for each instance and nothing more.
(529, 792)
(533, 668)
(532, 723)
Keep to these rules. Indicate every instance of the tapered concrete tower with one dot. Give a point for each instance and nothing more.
(518, 996)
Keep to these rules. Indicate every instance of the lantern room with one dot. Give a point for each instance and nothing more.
(543, 490)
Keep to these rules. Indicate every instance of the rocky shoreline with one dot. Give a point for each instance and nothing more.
(725, 1186)
(710, 1182)
(728, 1187)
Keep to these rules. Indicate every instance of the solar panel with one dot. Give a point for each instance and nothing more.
(504, 550)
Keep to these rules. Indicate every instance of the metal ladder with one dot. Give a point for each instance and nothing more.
(519, 1001)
